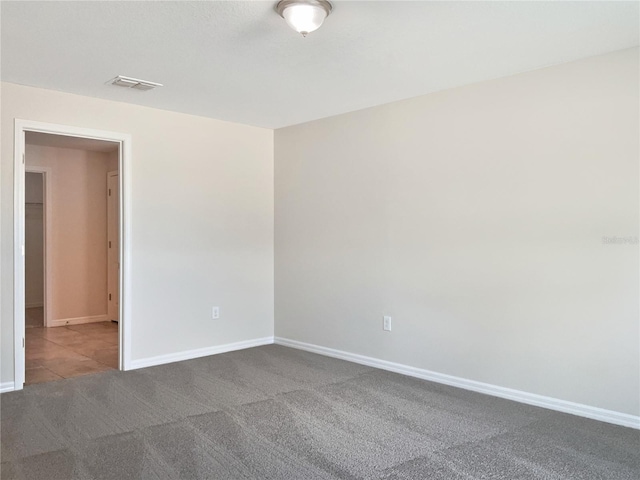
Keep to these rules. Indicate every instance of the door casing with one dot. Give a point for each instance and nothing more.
(125, 209)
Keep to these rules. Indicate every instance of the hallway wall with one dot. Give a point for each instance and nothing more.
(34, 241)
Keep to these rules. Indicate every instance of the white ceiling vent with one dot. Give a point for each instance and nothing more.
(128, 82)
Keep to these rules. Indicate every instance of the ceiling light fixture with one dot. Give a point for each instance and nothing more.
(304, 16)
(128, 82)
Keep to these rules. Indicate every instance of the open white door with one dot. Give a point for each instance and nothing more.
(113, 246)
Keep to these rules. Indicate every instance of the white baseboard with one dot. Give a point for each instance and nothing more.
(556, 404)
(34, 305)
(7, 387)
(61, 322)
(200, 352)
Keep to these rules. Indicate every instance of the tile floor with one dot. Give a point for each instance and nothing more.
(65, 352)
(34, 317)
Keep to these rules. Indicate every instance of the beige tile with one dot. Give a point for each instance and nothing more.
(36, 331)
(50, 351)
(107, 337)
(61, 352)
(89, 347)
(35, 347)
(34, 317)
(40, 375)
(67, 342)
(75, 368)
(100, 336)
(32, 363)
(108, 356)
(35, 341)
(60, 334)
(62, 364)
(92, 327)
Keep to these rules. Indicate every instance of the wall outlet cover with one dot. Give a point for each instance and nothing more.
(386, 324)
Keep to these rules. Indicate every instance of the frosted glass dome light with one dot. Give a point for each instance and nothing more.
(304, 16)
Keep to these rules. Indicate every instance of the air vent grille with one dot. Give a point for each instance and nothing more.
(135, 83)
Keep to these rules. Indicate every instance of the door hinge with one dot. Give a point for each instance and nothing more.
(22, 248)
(22, 342)
(109, 296)
(23, 158)
(109, 192)
(109, 243)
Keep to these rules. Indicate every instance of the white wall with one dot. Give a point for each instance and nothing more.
(78, 237)
(202, 221)
(34, 241)
(475, 218)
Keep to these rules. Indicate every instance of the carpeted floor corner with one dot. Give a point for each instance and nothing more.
(277, 413)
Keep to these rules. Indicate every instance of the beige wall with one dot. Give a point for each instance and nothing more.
(113, 157)
(78, 237)
(33, 188)
(34, 241)
(475, 218)
(202, 221)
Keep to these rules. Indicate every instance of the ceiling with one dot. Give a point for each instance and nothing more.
(64, 141)
(239, 61)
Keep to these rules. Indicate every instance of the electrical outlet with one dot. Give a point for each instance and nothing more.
(386, 324)
(215, 313)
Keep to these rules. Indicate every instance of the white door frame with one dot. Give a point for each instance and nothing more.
(20, 127)
(46, 183)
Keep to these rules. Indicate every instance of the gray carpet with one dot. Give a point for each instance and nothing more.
(276, 413)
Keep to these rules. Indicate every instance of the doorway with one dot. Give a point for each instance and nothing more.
(78, 337)
(71, 309)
